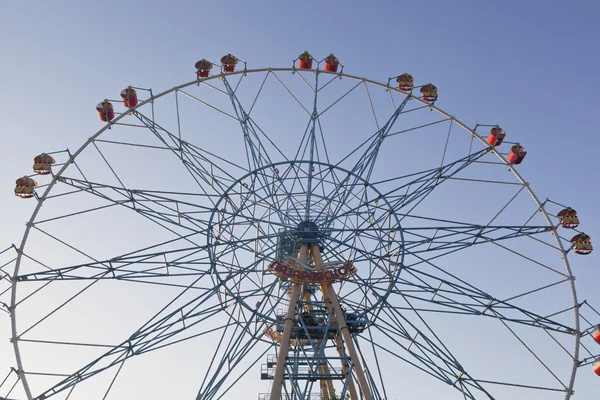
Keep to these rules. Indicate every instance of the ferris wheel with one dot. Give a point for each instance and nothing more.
(293, 233)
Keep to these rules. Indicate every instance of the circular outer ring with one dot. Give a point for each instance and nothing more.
(13, 317)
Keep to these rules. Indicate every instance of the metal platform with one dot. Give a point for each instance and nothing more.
(312, 396)
(323, 329)
(306, 368)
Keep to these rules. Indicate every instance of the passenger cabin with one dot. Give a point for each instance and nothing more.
(331, 63)
(596, 334)
(582, 244)
(496, 136)
(517, 154)
(305, 61)
(405, 82)
(229, 62)
(24, 188)
(203, 68)
(430, 92)
(129, 97)
(105, 111)
(568, 218)
(42, 164)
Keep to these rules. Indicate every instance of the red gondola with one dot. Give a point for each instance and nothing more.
(596, 334)
(331, 63)
(496, 136)
(517, 154)
(305, 61)
(129, 97)
(105, 111)
(596, 367)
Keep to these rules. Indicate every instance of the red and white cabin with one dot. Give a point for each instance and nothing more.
(496, 136)
(517, 154)
(129, 97)
(105, 111)
(596, 334)
(305, 61)
(331, 63)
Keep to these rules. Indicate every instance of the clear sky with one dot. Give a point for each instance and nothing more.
(530, 66)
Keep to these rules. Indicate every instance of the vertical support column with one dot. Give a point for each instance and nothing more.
(351, 386)
(326, 385)
(323, 385)
(287, 331)
(340, 348)
(330, 295)
(362, 381)
(328, 382)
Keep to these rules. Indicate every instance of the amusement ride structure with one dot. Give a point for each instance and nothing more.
(336, 237)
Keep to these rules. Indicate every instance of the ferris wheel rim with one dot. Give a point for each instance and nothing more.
(56, 177)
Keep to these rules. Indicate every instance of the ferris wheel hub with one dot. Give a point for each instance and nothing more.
(308, 232)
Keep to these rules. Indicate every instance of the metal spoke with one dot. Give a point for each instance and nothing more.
(162, 330)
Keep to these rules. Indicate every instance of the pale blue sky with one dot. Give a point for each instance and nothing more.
(530, 66)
